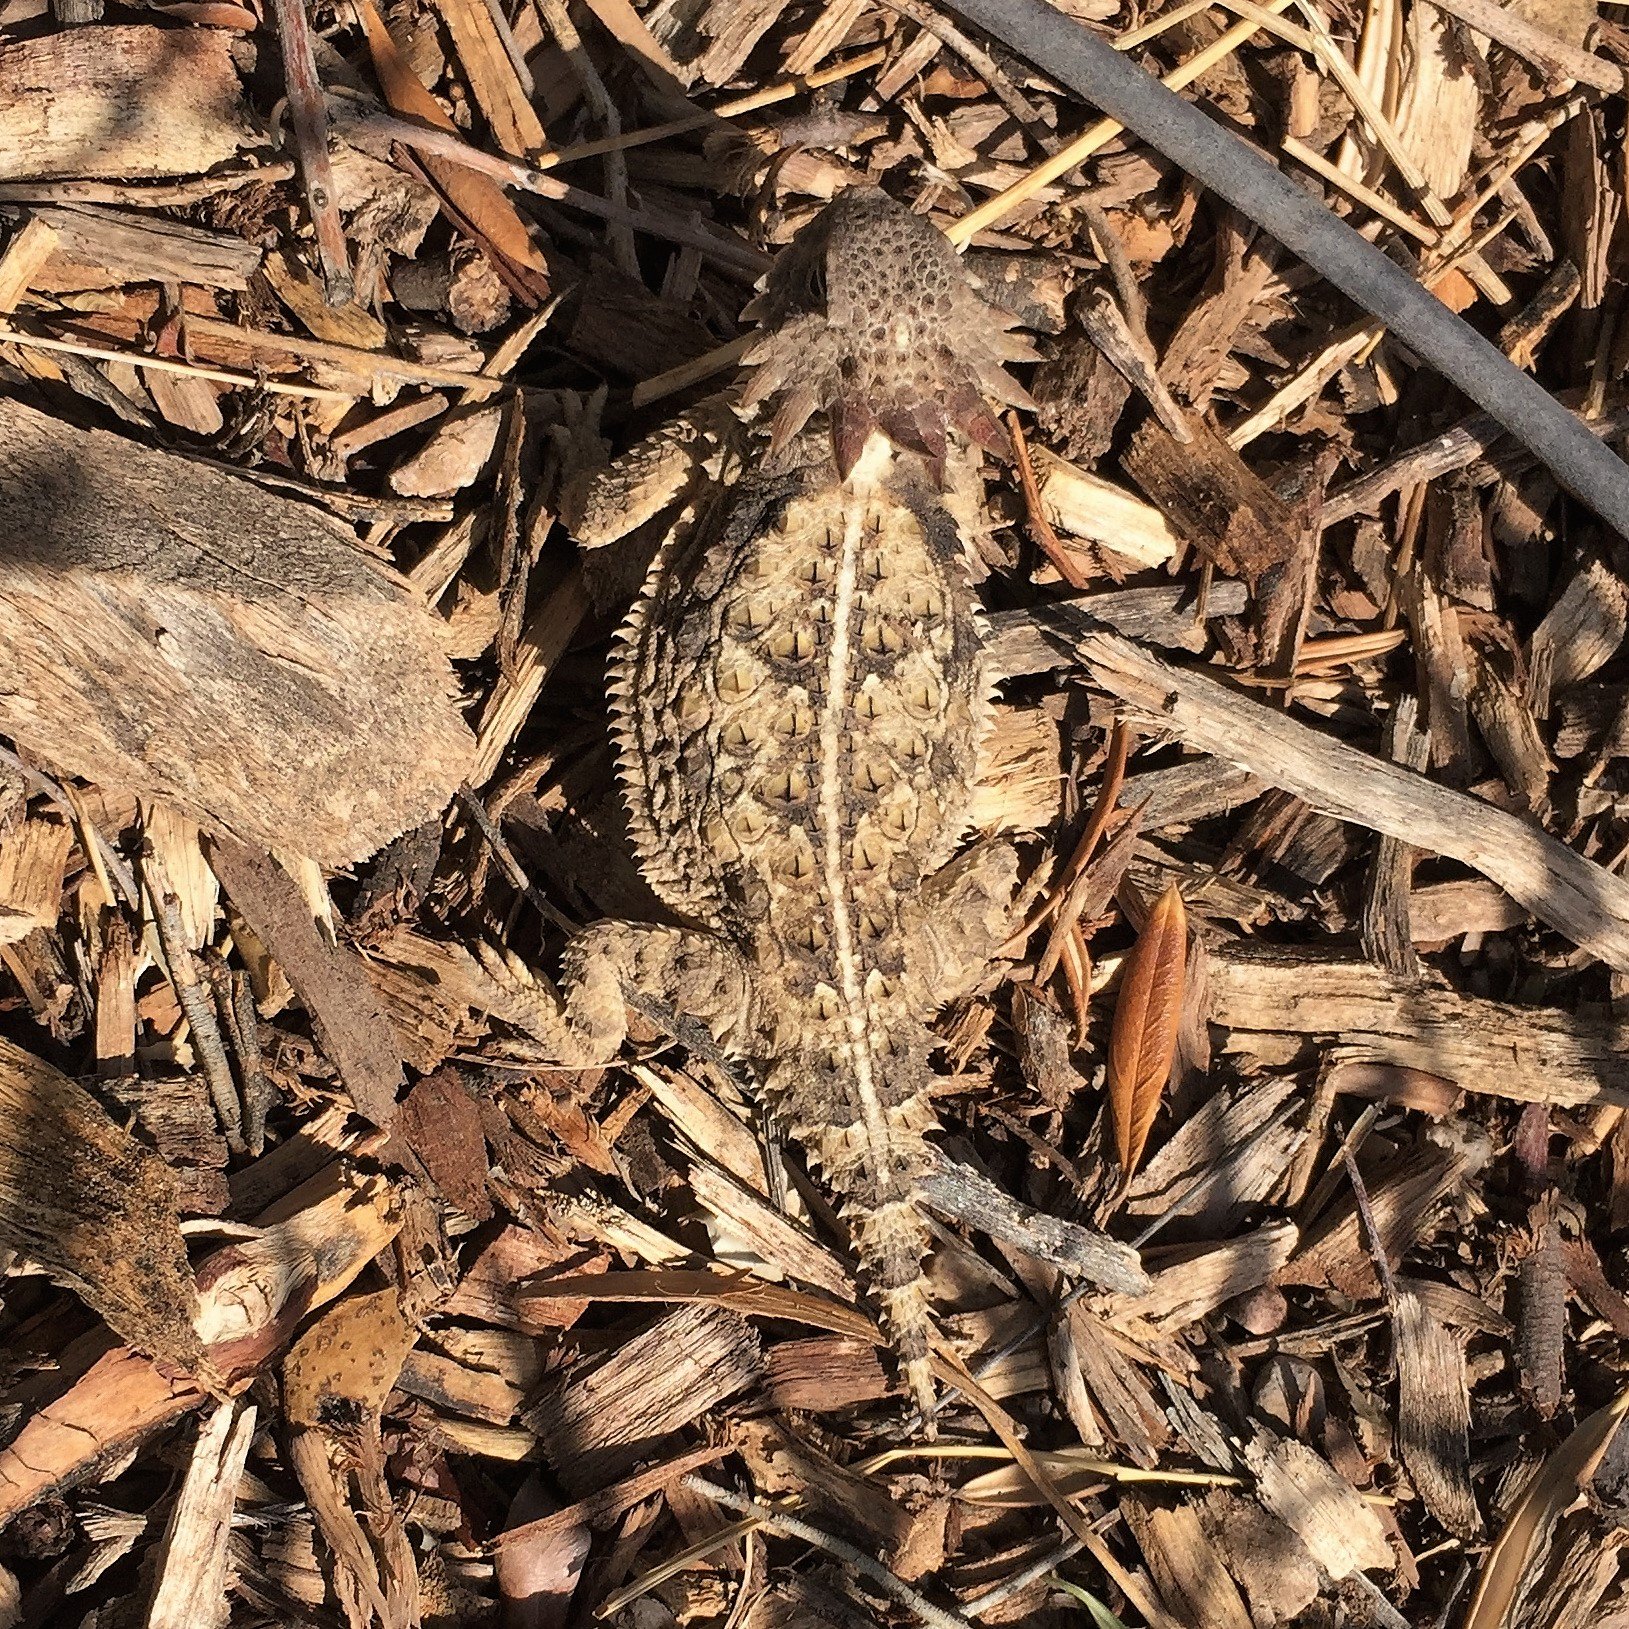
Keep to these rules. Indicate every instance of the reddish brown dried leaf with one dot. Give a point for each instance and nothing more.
(1146, 1019)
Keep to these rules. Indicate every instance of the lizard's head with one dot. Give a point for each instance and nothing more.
(870, 316)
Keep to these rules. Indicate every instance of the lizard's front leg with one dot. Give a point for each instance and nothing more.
(613, 968)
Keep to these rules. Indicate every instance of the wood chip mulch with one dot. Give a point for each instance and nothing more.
(1280, 1228)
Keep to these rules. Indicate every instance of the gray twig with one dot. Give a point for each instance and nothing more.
(308, 125)
(1093, 69)
(182, 967)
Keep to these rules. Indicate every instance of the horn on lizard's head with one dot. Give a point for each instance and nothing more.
(870, 316)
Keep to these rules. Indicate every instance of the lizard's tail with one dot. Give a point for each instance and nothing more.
(875, 1166)
(892, 1242)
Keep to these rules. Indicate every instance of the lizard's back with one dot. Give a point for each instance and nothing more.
(801, 691)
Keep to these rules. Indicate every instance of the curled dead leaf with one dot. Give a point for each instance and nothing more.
(1147, 1018)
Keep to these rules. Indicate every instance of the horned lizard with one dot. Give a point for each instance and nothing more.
(799, 695)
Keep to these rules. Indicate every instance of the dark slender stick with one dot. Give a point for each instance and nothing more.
(1093, 69)
(308, 124)
(182, 967)
(659, 222)
(784, 1522)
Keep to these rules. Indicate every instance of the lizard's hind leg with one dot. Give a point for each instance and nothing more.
(695, 979)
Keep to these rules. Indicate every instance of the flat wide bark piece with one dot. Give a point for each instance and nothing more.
(330, 979)
(1528, 1054)
(123, 101)
(96, 1209)
(172, 630)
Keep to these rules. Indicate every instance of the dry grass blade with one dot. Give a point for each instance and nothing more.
(1554, 1487)
(1146, 1020)
(1069, 900)
(748, 1296)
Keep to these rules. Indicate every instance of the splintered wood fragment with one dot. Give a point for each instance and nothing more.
(1143, 1044)
(600, 1423)
(1042, 637)
(1019, 787)
(441, 1122)
(485, 1374)
(827, 1373)
(1085, 505)
(754, 1231)
(102, 248)
(163, 195)
(1203, 1279)
(778, 1520)
(1524, 335)
(454, 455)
(253, 1295)
(1453, 449)
(1386, 930)
(1106, 326)
(1528, 1054)
(125, 102)
(1399, 1209)
(114, 1407)
(1507, 725)
(961, 1194)
(1324, 1510)
(492, 78)
(329, 978)
(1434, 1414)
(1213, 499)
(171, 630)
(473, 201)
(1186, 1563)
(1444, 910)
(1577, 897)
(194, 1555)
(94, 1207)
(1552, 1490)
(33, 857)
(601, 1508)
(552, 628)
(781, 1463)
(1579, 633)
(363, 370)
(308, 296)
(25, 255)
(1226, 1157)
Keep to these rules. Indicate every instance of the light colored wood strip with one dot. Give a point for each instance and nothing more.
(1577, 897)
(27, 252)
(195, 1552)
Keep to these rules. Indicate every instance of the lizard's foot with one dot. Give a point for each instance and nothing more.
(610, 968)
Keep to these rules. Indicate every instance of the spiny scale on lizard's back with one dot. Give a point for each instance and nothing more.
(800, 693)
